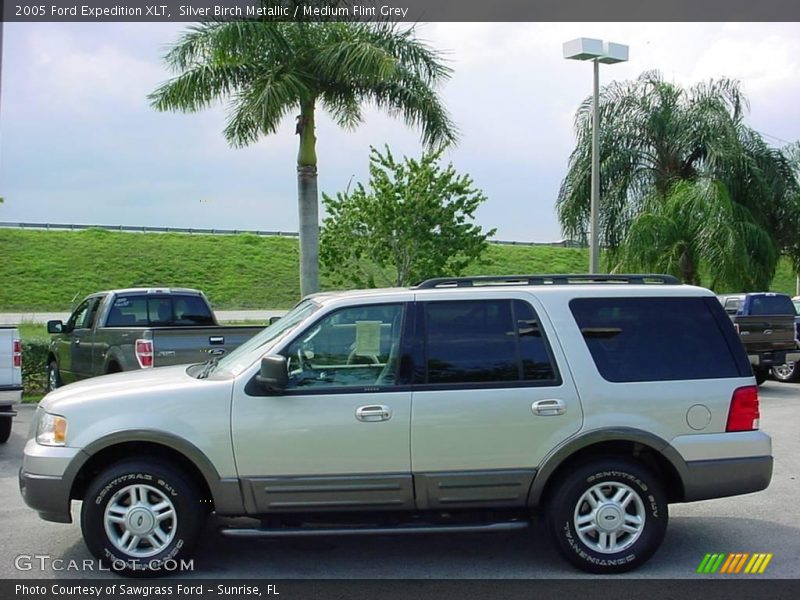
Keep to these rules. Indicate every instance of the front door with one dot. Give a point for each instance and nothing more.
(338, 438)
(489, 401)
(75, 348)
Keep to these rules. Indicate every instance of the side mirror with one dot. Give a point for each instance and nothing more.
(273, 320)
(274, 374)
(55, 327)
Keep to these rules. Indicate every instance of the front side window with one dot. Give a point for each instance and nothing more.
(351, 347)
(78, 318)
(485, 341)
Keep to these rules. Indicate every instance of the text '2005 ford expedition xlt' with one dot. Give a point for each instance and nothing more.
(463, 404)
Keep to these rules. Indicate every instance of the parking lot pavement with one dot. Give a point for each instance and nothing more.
(762, 522)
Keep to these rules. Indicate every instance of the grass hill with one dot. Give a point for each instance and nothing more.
(44, 270)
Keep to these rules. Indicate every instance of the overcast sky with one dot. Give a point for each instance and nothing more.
(79, 143)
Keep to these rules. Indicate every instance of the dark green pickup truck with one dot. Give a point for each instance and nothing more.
(138, 328)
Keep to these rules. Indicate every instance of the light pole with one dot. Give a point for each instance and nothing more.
(598, 51)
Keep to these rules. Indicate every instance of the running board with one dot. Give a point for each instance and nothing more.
(279, 532)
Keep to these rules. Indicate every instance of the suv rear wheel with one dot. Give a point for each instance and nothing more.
(141, 518)
(608, 516)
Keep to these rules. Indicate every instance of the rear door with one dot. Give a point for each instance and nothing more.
(490, 400)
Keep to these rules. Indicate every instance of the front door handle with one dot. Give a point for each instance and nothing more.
(550, 407)
(373, 412)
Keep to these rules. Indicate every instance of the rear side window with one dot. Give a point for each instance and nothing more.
(655, 339)
(484, 341)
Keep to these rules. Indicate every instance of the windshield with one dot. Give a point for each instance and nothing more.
(257, 346)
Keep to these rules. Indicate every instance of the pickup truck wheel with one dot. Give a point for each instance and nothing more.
(53, 377)
(5, 429)
(141, 518)
(787, 373)
(608, 516)
(761, 374)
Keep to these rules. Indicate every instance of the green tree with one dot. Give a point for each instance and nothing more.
(414, 222)
(664, 151)
(266, 69)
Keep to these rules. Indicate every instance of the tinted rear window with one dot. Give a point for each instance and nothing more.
(771, 305)
(158, 311)
(655, 339)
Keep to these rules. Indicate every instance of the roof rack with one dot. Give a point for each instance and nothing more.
(558, 279)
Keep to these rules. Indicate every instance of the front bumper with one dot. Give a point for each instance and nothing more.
(706, 479)
(46, 494)
(46, 478)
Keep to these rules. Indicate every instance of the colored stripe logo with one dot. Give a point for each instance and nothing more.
(734, 563)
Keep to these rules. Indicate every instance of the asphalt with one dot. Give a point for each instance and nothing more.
(763, 522)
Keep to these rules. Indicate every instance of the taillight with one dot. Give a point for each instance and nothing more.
(16, 353)
(144, 353)
(744, 414)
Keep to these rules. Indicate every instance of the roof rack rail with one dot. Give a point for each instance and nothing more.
(554, 279)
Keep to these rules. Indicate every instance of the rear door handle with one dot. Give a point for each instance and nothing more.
(373, 412)
(550, 407)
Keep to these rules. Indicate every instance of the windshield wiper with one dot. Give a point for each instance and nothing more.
(208, 366)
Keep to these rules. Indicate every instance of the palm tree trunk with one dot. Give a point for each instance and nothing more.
(307, 201)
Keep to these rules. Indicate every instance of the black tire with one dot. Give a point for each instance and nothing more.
(788, 373)
(760, 374)
(53, 376)
(606, 477)
(5, 428)
(160, 481)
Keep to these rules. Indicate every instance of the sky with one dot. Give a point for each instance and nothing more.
(79, 142)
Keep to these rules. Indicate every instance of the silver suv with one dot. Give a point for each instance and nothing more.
(465, 404)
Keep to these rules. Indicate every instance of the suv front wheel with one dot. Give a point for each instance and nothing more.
(141, 518)
(608, 516)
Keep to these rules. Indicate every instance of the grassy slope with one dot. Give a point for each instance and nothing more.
(44, 270)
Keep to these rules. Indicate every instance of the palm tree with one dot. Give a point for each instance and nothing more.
(656, 135)
(698, 226)
(267, 69)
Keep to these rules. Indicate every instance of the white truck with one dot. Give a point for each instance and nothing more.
(10, 378)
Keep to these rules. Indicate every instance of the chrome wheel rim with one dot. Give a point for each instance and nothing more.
(784, 371)
(140, 520)
(609, 517)
(52, 379)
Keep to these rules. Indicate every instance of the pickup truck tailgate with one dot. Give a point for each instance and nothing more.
(186, 345)
(765, 333)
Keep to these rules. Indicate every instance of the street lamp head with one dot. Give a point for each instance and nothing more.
(583, 49)
(614, 53)
(591, 49)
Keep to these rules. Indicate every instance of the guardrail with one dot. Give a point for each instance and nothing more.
(215, 231)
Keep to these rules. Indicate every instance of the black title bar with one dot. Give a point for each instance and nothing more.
(401, 10)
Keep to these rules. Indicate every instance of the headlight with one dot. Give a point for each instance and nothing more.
(51, 430)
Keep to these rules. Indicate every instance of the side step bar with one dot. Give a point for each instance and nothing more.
(279, 532)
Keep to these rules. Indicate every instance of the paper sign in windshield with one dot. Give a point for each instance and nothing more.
(368, 338)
